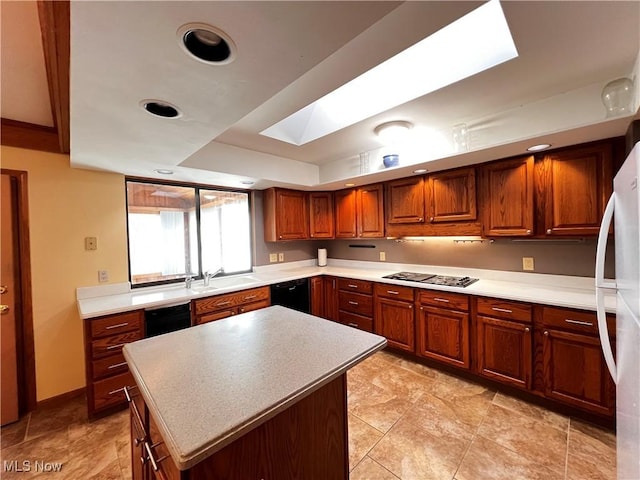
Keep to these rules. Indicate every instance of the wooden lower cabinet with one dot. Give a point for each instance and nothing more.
(355, 303)
(443, 335)
(394, 315)
(217, 307)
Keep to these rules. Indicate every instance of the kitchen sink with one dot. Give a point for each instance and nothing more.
(224, 282)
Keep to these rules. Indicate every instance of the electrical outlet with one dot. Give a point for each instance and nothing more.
(273, 257)
(281, 257)
(103, 276)
(383, 257)
(91, 243)
(527, 264)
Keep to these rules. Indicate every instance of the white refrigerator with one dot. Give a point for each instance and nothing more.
(625, 368)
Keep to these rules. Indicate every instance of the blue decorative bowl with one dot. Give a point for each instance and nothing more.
(391, 160)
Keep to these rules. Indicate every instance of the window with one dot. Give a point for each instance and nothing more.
(180, 230)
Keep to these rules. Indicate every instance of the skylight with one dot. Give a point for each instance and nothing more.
(475, 42)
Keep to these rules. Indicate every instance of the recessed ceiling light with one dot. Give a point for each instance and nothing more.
(163, 171)
(477, 41)
(160, 108)
(206, 43)
(349, 184)
(537, 148)
(420, 170)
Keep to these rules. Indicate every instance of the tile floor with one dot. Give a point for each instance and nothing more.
(406, 421)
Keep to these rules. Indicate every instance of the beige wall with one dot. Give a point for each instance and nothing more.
(65, 206)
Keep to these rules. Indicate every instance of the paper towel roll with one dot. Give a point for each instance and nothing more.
(322, 257)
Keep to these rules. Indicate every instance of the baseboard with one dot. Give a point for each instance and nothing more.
(61, 399)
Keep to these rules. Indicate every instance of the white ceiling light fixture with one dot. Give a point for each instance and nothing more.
(475, 42)
(539, 147)
(206, 43)
(163, 171)
(393, 132)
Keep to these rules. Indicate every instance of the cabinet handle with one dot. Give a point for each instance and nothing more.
(353, 325)
(250, 297)
(136, 413)
(351, 302)
(393, 292)
(431, 219)
(549, 231)
(504, 310)
(116, 365)
(578, 322)
(351, 285)
(280, 236)
(154, 465)
(3, 289)
(420, 219)
(526, 330)
(110, 327)
(528, 232)
(222, 304)
(546, 333)
(118, 390)
(111, 347)
(438, 299)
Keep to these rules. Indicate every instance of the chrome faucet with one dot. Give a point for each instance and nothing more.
(208, 276)
(187, 281)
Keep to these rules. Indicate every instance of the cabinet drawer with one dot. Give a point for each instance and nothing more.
(393, 291)
(356, 303)
(454, 301)
(113, 344)
(110, 391)
(124, 322)
(493, 307)
(361, 286)
(110, 365)
(356, 321)
(228, 300)
(575, 320)
(254, 306)
(211, 317)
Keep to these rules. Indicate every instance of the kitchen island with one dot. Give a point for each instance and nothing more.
(258, 395)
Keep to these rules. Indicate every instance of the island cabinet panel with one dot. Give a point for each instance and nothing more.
(575, 372)
(222, 306)
(504, 341)
(506, 197)
(106, 370)
(394, 315)
(321, 221)
(286, 215)
(577, 183)
(404, 200)
(443, 330)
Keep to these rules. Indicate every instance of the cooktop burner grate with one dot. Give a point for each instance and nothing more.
(432, 279)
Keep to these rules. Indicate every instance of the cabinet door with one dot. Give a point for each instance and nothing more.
(317, 297)
(291, 215)
(370, 211)
(321, 224)
(577, 185)
(451, 196)
(330, 298)
(575, 372)
(507, 197)
(395, 321)
(404, 200)
(504, 351)
(443, 335)
(345, 213)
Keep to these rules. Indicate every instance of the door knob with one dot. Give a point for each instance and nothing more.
(4, 309)
(3, 289)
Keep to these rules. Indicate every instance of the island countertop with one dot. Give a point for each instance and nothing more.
(208, 385)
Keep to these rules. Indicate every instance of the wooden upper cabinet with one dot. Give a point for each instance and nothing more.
(451, 196)
(345, 213)
(506, 194)
(321, 222)
(577, 183)
(370, 211)
(405, 200)
(286, 216)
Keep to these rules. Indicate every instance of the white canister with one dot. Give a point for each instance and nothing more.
(322, 257)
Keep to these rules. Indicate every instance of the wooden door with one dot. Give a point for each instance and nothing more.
(404, 200)
(370, 211)
(395, 321)
(504, 351)
(443, 335)
(451, 196)
(507, 197)
(575, 372)
(577, 185)
(345, 210)
(291, 215)
(321, 223)
(9, 314)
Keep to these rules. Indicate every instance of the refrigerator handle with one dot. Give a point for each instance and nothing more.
(601, 285)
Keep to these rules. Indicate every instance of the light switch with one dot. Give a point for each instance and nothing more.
(281, 257)
(90, 243)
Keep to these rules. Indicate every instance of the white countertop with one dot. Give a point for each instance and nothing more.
(224, 378)
(557, 290)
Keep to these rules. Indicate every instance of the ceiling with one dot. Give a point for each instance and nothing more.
(291, 53)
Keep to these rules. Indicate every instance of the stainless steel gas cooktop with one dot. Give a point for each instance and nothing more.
(432, 279)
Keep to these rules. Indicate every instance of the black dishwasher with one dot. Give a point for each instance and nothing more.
(159, 320)
(292, 294)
